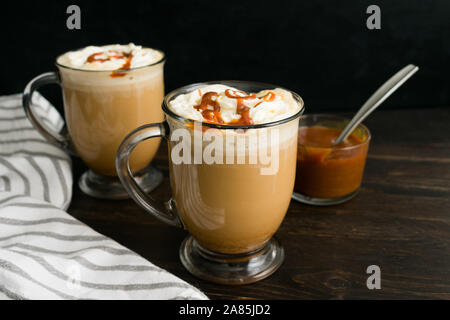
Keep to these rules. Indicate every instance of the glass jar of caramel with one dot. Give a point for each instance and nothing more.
(328, 174)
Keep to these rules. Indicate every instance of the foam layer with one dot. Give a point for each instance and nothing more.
(110, 57)
(264, 107)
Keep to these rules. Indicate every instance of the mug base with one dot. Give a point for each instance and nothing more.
(231, 269)
(323, 201)
(104, 187)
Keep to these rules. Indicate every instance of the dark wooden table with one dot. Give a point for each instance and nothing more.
(400, 221)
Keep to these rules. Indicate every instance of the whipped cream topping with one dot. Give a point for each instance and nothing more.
(110, 57)
(221, 104)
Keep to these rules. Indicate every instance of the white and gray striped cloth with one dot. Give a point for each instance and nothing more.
(44, 252)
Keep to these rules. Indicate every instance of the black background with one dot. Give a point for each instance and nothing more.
(321, 49)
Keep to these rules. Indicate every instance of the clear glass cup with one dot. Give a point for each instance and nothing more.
(230, 207)
(329, 175)
(101, 108)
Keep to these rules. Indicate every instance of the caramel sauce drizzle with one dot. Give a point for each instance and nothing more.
(93, 58)
(270, 96)
(237, 94)
(241, 108)
(267, 98)
(117, 55)
(211, 108)
(244, 112)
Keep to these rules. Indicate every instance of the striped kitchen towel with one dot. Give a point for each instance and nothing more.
(44, 252)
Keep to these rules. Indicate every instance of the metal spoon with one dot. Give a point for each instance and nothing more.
(376, 99)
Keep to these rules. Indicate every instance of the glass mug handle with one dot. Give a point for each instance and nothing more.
(60, 140)
(163, 211)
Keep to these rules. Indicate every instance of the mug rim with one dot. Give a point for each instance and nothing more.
(161, 60)
(197, 85)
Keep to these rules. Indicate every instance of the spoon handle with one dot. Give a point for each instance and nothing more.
(377, 98)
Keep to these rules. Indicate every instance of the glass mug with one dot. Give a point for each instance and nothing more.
(101, 108)
(230, 208)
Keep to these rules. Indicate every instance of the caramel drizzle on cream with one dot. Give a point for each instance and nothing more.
(117, 55)
(210, 107)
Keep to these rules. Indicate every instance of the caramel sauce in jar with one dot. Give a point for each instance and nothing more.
(327, 171)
